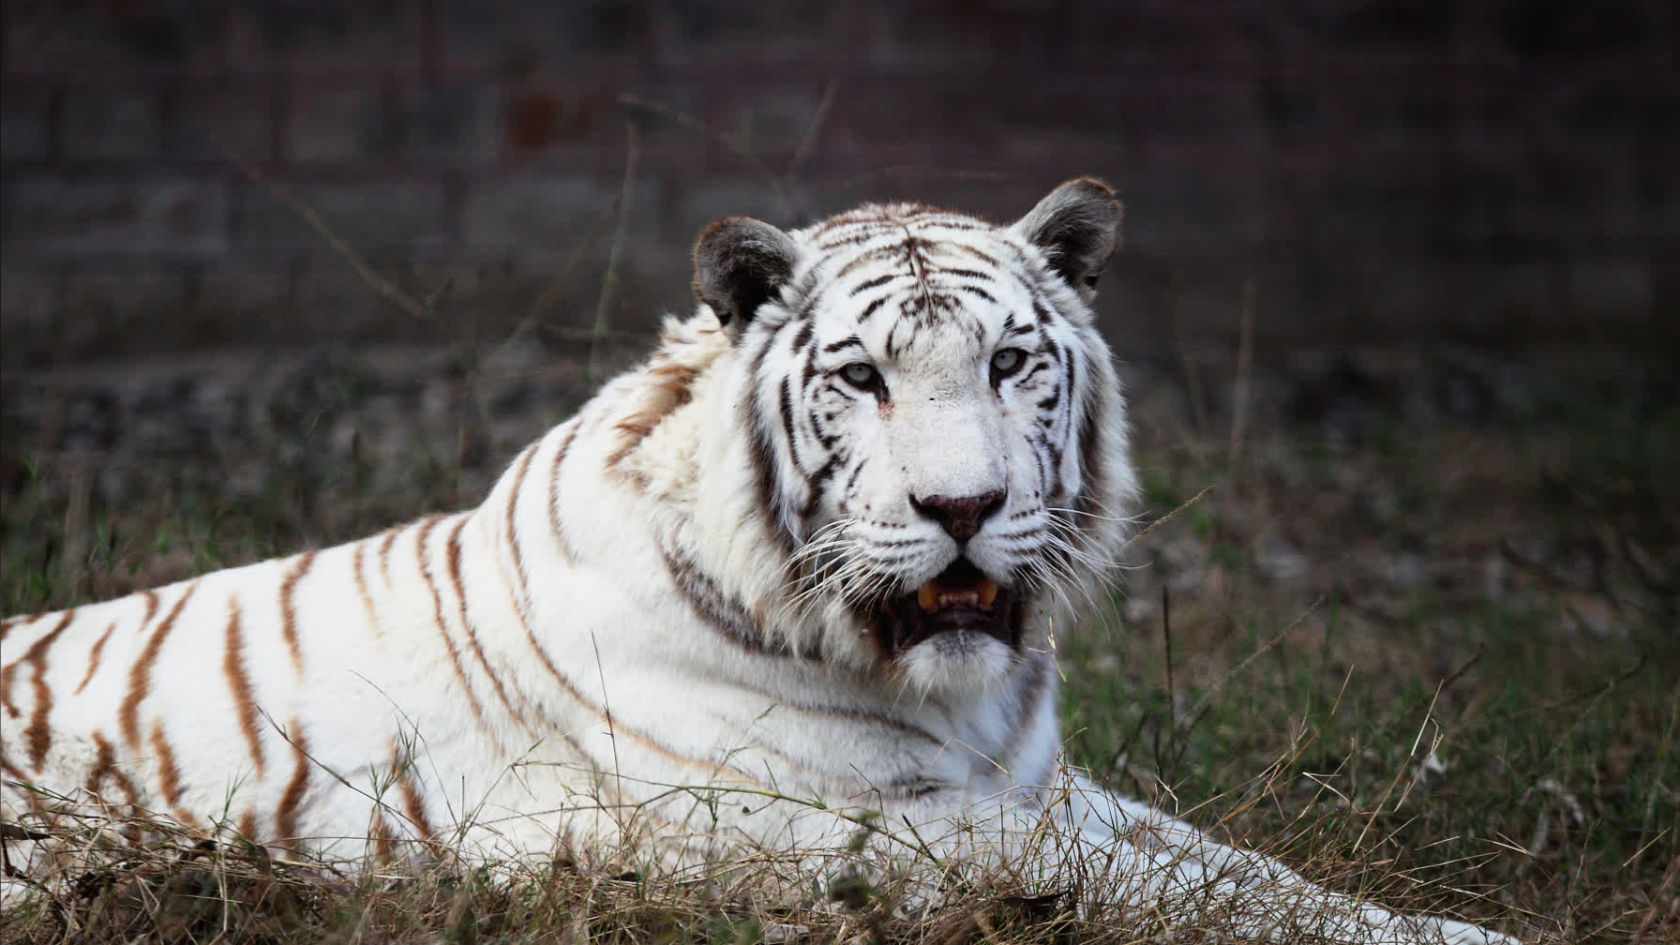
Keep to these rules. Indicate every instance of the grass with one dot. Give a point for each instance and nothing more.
(1407, 686)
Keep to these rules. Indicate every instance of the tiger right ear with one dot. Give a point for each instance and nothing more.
(739, 264)
(1077, 227)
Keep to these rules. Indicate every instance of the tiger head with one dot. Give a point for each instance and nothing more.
(932, 425)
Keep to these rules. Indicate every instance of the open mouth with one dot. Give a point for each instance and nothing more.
(960, 598)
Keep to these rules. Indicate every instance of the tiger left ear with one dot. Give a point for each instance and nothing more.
(739, 264)
(1078, 228)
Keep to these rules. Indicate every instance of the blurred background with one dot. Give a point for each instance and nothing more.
(1502, 173)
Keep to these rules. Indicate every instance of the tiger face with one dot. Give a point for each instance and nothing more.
(937, 427)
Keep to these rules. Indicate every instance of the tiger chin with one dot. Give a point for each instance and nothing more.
(816, 547)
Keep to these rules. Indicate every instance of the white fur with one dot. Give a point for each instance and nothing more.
(510, 759)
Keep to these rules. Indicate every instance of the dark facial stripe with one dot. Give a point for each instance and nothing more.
(871, 308)
(93, 657)
(140, 674)
(764, 457)
(454, 562)
(851, 341)
(785, 403)
(852, 478)
(239, 684)
(437, 617)
(984, 257)
(803, 338)
(288, 610)
(868, 284)
(39, 735)
(286, 815)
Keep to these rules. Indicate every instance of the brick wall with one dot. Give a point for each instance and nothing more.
(1378, 169)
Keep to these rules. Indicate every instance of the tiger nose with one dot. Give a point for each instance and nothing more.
(960, 516)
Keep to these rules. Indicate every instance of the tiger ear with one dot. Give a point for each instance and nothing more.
(1077, 227)
(739, 264)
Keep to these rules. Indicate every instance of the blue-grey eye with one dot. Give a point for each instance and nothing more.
(861, 375)
(1007, 361)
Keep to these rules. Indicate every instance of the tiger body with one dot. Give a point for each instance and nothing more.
(803, 566)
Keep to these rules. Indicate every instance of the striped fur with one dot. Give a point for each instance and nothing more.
(692, 582)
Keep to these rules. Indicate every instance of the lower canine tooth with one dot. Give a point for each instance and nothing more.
(988, 592)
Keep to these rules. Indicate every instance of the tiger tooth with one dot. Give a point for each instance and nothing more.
(988, 592)
(959, 599)
(928, 597)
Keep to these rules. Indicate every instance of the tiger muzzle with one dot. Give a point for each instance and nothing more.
(960, 599)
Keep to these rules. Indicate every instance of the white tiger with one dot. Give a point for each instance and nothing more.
(815, 548)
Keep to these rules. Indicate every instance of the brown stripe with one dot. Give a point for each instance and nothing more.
(362, 587)
(105, 767)
(93, 658)
(39, 735)
(519, 471)
(666, 389)
(380, 833)
(715, 609)
(140, 674)
(6, 688)
(11, 670)
(554, 523)
(286, 817)
(18, 621)
(437, 615)
(239, 683)
(858, 715)
(453, 558)
(385, 552)
(7, 768)
(288, 609)
(169, 776)
(414, 806)
(248, 825)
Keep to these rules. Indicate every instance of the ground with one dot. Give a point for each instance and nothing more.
(1418, 633)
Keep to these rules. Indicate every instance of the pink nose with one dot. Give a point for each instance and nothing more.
(960, 516)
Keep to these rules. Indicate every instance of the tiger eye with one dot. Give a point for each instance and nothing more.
(1007, 361)
(860, 374)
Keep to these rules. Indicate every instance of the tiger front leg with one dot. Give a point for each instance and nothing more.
(1165, 867)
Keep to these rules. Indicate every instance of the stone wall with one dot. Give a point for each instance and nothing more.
(1376, 169)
